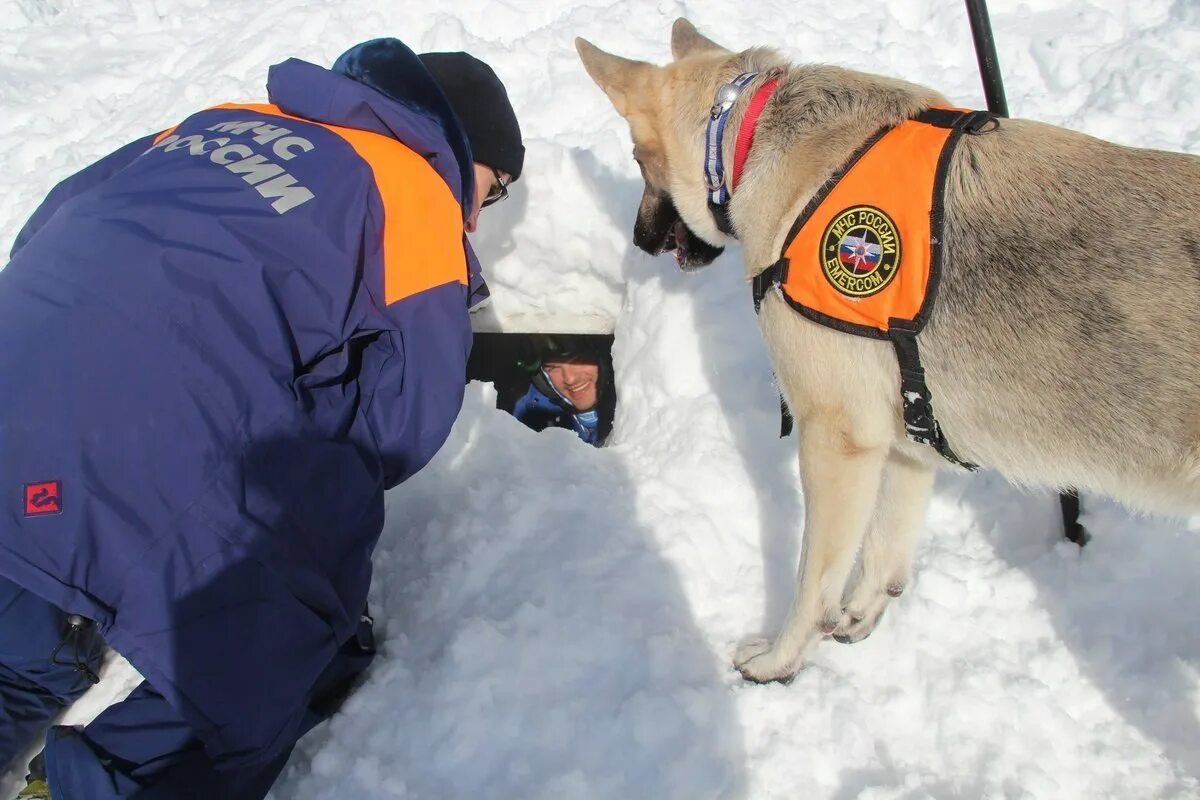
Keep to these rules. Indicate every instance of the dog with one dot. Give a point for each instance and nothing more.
(1062, 349)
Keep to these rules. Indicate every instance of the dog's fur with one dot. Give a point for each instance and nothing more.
(1062, 349)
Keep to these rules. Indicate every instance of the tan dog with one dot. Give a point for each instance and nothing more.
(1063, 349)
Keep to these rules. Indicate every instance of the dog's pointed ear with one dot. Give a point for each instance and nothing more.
(687, 41)
(615, 75)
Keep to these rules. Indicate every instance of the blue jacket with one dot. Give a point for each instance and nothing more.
(211, 370)
(542, 406)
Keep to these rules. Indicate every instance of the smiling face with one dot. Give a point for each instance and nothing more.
(578, 380)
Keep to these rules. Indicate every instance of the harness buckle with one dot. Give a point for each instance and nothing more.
(978, 122)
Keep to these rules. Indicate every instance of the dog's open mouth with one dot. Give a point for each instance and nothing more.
(691, 252)
(677, 242)
(667, 232)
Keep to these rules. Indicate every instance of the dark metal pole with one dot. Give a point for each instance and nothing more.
(985, 51)
(993, 90)
(1069, 502)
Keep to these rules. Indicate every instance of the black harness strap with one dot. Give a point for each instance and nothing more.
(772, 276)
(919, 422)
(967, 121)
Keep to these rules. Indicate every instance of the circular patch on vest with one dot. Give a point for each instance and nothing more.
(860, 251)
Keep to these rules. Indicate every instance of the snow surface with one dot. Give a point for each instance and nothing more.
(558, 622)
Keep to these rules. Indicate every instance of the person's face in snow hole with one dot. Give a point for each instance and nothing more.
(491, 186)
(577, 379)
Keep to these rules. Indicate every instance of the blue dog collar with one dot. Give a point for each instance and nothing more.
(714, 166)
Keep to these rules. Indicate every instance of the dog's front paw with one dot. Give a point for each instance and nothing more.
(858, 625)
(864, 610)
(758, 662)
(749, 650)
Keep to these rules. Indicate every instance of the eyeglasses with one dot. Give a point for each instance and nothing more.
(498, 192)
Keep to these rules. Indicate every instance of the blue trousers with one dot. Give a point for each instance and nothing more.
(139, 748)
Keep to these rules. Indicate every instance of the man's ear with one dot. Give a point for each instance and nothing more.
(687, 41)
(618, 77)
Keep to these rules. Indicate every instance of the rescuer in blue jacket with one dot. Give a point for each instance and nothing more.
(222, 343)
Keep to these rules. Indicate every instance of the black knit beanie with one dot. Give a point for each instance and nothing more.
(481, 103)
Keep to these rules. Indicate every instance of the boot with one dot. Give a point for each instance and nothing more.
(36, 789)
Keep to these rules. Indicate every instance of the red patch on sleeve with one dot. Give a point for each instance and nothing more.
(43, 498)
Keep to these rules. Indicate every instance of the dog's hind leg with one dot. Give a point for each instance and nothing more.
(886, 560)
(840, 470)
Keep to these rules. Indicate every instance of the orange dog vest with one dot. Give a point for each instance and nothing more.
(864, 256)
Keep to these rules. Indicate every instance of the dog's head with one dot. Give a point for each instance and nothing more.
(667, 108)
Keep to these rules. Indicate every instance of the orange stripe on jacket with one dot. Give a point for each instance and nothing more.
(863, 256)
(422, 226)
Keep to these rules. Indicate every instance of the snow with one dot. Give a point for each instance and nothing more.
(558, 622)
